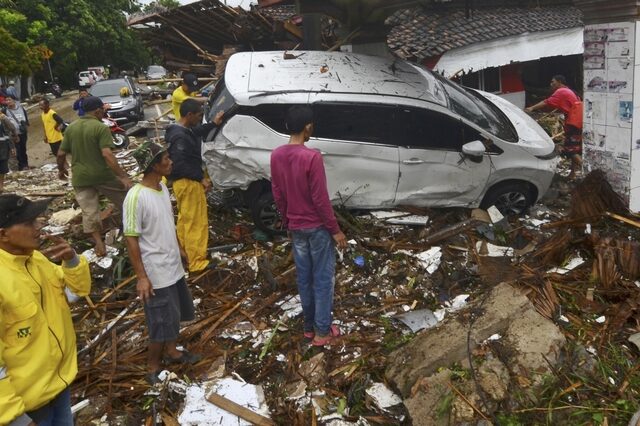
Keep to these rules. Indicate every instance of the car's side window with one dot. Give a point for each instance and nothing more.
(354, 122)
(433, 130)
(273, 115)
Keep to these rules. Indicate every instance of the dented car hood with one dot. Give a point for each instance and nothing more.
(531, 137)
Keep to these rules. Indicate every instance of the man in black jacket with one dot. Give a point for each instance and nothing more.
(190, 182)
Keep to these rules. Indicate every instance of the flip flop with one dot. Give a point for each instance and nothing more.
(334, 332)
(185, 358)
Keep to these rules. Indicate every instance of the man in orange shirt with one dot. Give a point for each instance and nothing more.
(570, 104)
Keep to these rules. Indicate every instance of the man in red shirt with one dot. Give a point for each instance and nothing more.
(570, 104)
(299, 186)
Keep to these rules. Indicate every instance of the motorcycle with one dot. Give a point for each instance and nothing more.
(54, 88)
(120, 140)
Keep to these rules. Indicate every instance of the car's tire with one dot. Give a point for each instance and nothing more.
(265, 215)
(120, 141)
(510, 198)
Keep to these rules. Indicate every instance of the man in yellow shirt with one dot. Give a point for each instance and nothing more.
(53, 125)
(187, 90)
(38, 359)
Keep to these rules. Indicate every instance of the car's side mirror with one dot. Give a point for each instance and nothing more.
(474, 149)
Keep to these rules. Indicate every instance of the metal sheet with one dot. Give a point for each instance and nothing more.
(503, 51)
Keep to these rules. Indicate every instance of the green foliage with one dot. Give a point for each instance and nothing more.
(17, 57)
(169, 4)
(80, 33)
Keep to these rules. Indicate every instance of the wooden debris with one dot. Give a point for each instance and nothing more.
(239, 410)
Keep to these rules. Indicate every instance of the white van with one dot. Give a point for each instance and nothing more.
(87, 78)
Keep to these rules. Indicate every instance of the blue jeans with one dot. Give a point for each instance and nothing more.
(56, 413)
(315, 257)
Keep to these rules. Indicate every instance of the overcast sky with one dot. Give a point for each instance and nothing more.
(243, 3)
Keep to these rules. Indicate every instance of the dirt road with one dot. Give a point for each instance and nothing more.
(39, 152)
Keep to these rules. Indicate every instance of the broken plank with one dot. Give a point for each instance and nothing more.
(240, 411)
(623, 219)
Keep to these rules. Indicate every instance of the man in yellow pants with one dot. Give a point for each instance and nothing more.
(190, 183)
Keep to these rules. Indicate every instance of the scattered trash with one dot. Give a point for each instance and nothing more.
(418, 320)
(412, 220)
(199, 411)
(382, 396)
(573, 263)
(430, 259)
(487, 249)
(104, 262)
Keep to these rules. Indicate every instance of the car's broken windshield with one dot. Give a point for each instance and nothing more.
(475, 110)
(221, 100)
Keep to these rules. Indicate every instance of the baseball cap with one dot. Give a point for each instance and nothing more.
(15, 209)
(191, 81)
(146, 153)
(92, 103)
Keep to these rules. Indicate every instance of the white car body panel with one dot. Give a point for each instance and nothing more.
(362, 174)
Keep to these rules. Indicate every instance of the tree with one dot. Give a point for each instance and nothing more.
(18, 58)
(80, 33)
(161, 4)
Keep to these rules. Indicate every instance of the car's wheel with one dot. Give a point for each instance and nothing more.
(510, 198)
(265, 215)
(120, 141)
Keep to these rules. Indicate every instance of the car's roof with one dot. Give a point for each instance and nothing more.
(250, 73)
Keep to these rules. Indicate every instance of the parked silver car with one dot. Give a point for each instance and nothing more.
(391, 133)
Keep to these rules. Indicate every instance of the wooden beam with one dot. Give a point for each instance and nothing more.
(240, 411)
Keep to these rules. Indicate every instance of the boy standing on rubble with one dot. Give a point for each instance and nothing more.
(156, 258)
(38, 358)
(299, 186)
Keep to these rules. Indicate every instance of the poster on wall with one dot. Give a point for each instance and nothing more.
(609, 64)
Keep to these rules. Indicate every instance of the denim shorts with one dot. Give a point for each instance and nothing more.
(164, 311)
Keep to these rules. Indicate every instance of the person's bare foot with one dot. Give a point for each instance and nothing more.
(100, 249)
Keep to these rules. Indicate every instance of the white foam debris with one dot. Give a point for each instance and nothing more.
(382, 396)
(198, 411)
(387, 214)
(572, 264)
(292, 306)
(430, 259)
(601, 320)
(458, 302)
(487, 249)
(104, 262)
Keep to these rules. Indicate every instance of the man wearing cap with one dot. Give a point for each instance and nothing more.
(95, 169)
(11, 90)
(38, 358)
(156, 258)
(190, 183)
(187, 90)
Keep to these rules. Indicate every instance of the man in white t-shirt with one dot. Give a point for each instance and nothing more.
(156, 258)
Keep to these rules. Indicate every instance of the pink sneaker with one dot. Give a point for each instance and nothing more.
(309, 335)
(334, 332)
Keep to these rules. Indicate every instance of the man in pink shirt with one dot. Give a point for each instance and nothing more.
(299, 187)
(570, 104)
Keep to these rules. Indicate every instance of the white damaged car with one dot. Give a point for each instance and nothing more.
(390, 132)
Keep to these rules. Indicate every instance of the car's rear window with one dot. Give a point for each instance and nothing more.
(108, 88)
